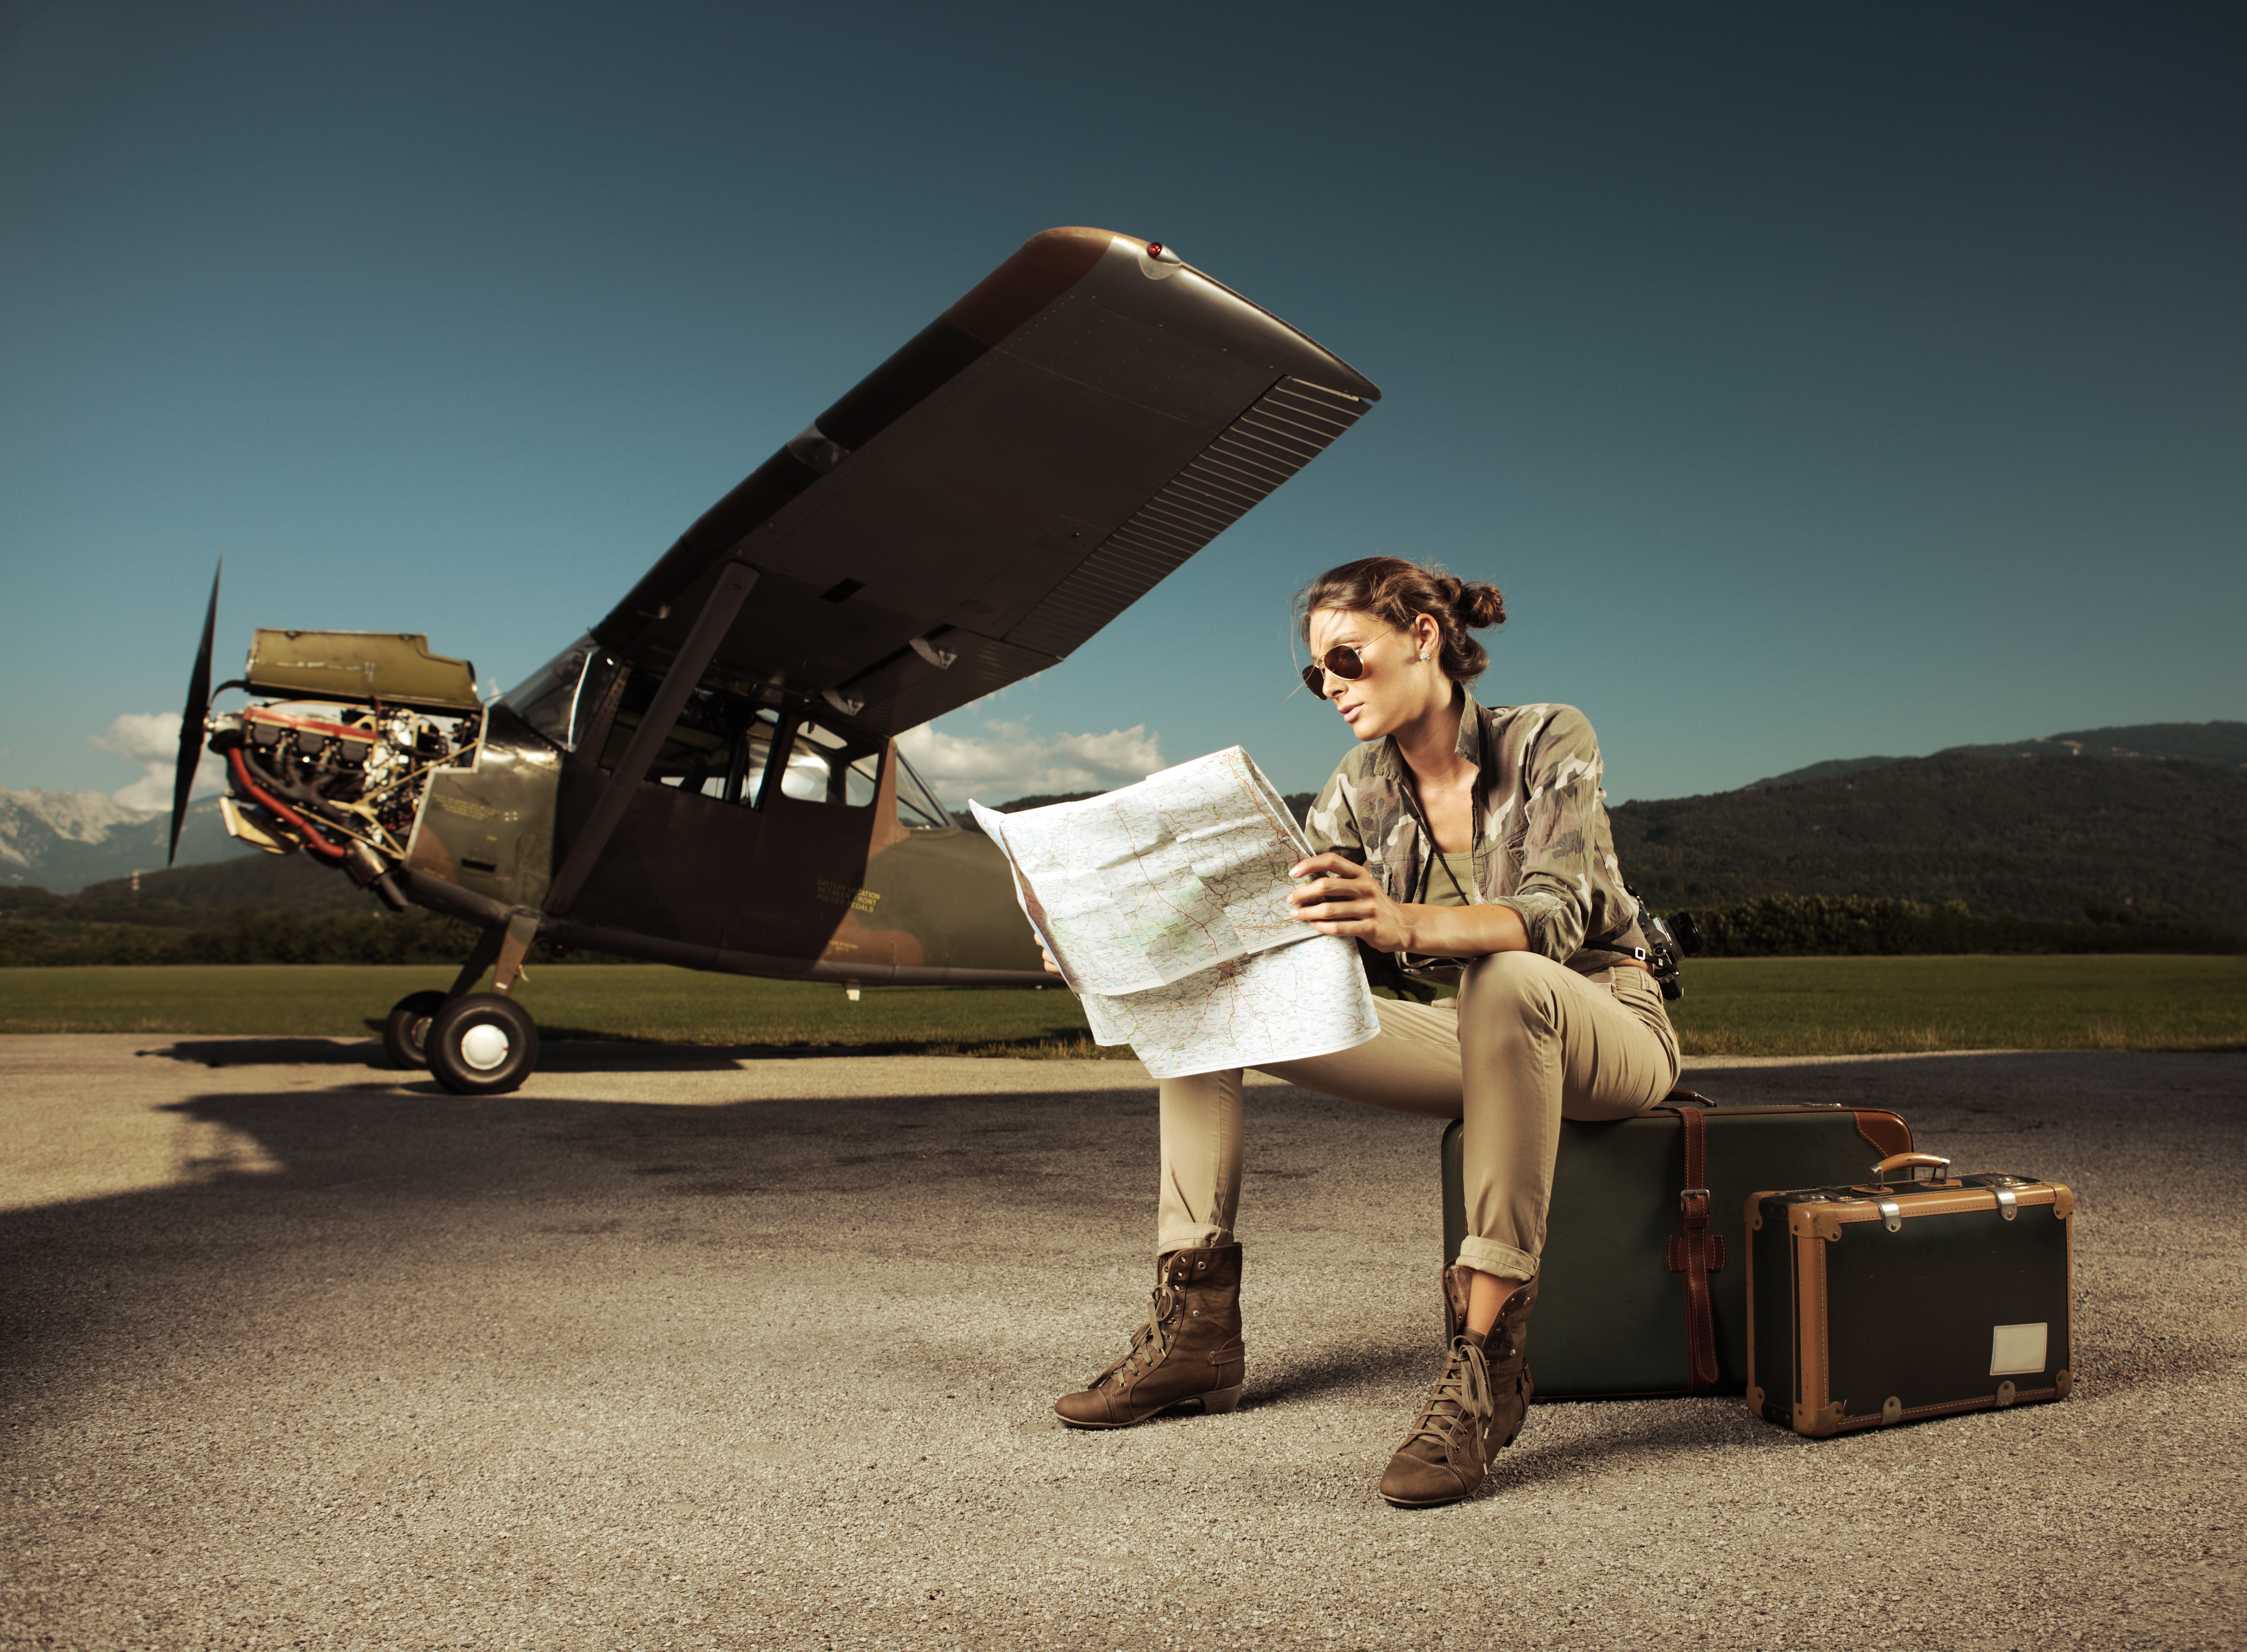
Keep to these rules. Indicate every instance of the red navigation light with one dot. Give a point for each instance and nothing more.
(1154, 249)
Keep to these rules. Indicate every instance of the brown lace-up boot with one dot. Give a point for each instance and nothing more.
(1190, 1348)
(1474, 1413)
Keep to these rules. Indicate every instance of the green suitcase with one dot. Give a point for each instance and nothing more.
(1642, 1285)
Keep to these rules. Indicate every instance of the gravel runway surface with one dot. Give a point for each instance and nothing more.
(696, 1348)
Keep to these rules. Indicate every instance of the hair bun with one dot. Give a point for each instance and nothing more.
(1478, 604)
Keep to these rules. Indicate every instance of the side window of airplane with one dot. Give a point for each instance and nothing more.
(824, 767)
(716, 749)
(722, 744)
(917, 807)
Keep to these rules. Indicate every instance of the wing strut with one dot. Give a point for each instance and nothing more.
(695, 656)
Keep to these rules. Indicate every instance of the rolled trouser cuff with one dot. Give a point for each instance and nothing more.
(1189, 1239)
(1488, 1256)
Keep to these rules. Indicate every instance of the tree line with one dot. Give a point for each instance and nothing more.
(1827, 926)
(249, 937)
(1774, 925)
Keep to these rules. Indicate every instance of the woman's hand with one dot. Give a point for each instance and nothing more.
(1344, 898)
(1052, 968)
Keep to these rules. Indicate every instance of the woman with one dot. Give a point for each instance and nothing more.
(1465, 848)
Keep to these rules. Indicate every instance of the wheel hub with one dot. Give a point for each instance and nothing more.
(484, 1047)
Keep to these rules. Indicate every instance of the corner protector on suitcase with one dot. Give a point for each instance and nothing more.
(1816, 1221)
(2064, 1381)
(2063, 1202)
(1817, 1422)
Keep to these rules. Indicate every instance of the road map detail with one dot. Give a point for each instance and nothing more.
(1284, 1004)
(1166, 905)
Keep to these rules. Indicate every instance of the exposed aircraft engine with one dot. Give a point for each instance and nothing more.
(343, 783)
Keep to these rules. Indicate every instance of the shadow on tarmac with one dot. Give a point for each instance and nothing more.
(273, 1183)
(560, 1051)
(556, 1054)
(288, 1180)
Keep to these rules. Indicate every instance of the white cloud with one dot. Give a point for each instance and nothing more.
(1015, 763)
(152, 739)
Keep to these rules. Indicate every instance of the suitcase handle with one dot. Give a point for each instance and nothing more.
(1906, 1161)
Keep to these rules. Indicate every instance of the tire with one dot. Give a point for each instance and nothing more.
(405, 1035)
(484, 1044)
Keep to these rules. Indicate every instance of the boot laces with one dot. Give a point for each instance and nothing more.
(1151, 1341)
(1462, 1399)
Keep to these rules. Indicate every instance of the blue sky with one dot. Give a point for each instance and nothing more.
(1815, 381)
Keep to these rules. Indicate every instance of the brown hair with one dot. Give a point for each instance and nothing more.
(1395, 592)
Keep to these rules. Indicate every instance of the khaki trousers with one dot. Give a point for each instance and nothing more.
(1527, 1043)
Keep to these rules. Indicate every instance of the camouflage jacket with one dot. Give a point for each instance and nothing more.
(1541, 842)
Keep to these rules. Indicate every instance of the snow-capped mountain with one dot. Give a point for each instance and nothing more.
(63, 841)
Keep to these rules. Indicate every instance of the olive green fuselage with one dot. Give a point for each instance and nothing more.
(780, 885)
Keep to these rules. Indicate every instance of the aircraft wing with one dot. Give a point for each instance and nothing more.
(1031, 464)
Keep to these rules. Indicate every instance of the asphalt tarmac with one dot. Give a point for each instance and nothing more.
(677, 1349)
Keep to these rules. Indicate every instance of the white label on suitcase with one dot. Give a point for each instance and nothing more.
(2016, 1348)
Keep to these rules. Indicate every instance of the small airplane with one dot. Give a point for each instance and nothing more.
(710, 777)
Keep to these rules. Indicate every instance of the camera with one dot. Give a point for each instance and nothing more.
(1668, 940)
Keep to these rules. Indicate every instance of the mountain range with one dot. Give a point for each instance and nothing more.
(2223, 745)
(2157, 837)
(64, 840)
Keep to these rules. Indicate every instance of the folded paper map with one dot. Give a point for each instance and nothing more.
(1166, 905)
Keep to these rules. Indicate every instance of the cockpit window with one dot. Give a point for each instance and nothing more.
(593, 688)
(546, 697)
(560, 698)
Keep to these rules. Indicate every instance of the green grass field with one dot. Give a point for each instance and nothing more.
(1733, 1007)
(1865, 1006)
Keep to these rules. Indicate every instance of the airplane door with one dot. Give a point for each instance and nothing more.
(827, 808)
(675, 868)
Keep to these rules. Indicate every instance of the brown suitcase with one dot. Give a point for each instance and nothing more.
(1873, 1304)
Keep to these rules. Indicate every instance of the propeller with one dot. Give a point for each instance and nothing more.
(191, 720)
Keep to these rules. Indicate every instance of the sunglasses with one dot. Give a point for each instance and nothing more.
(1342, 661)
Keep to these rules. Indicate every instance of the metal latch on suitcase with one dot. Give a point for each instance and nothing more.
(2009, 1204)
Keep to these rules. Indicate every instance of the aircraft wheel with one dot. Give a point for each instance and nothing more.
(405, 1035)
(484, 1044)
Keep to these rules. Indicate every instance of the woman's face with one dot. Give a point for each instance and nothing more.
(1397, 686)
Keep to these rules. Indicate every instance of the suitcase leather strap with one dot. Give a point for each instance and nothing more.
(1696, 1252)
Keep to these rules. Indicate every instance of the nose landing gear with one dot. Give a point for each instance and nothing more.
(472, 1043)
(484, 1044)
